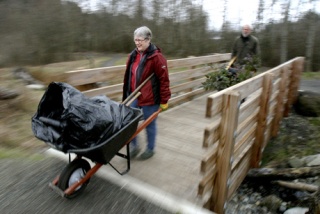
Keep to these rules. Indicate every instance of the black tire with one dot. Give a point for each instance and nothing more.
(74, 171)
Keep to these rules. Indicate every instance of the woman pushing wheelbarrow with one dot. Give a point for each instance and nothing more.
(97, 128)
(146, 59)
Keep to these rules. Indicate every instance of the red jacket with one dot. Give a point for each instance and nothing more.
(157, 89)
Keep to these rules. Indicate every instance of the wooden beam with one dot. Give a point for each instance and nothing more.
(262, 117)
(211, 133)
(209, 160)
(231, 101)
(297, 68)
(194, 61)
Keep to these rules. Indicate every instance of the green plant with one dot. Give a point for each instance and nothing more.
(224, 78)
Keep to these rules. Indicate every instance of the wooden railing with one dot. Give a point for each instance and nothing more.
(186, 76)
(244, 118)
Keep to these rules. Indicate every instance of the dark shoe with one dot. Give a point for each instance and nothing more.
(146, 155)
(134, 151)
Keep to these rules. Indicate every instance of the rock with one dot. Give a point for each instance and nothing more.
(272, 202)
(21, 73)
(297, 210)
(283, 207)
(295, 162)
(7, 94)
(307, 161)
(308, 104)
(314, 162)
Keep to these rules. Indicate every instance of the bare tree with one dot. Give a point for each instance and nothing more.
(284, 32)
(260, 15)
(312, 28)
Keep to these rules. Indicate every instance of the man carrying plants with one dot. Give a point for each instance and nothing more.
(245, 60)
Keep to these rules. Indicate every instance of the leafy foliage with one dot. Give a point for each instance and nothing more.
(224, 78)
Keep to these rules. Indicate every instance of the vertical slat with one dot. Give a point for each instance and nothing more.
(279, 108)
(229, 122)
(262, 117)
(297, 67)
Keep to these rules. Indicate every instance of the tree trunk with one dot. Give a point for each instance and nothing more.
(284, 35)
(310, 43)
(283, 174)
(298, 186)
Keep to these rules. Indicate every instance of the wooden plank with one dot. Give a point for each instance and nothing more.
(239, 173)
(297, 68)
(268, 130)
(209, 160)
(242, 143)
(228, 128)
(214, 105)
(206, 183)
(245, 88)
(250, 100)
(274, 95)
(183, 76)
(252, 118)
(109, 91)
(194, 61)
(249, 106)
(85, 76)
(186, 97)
(114, 74)
(294, 81)
(262, 117)
(279, 106)
(187, 85)
(211, 133)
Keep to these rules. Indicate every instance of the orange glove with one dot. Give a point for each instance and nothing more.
(164, 106)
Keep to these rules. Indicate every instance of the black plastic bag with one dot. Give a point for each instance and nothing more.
(67, 119)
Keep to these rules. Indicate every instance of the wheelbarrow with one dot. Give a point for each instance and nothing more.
(76, 175)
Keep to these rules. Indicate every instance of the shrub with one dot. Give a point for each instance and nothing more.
(224, 78)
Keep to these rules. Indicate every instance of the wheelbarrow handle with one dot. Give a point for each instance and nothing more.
(231, 62)
(145, 124)
(128, 103)
(133, 96)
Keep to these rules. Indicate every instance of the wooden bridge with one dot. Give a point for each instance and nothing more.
(207, 141)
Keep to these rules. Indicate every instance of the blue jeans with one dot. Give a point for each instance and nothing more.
(151, 128)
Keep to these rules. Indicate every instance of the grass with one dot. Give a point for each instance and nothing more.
(315, 121)
(311, 75)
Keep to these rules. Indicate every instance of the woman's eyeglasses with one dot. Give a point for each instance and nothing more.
(139, 40)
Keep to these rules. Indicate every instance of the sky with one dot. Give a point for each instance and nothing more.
(240, 12)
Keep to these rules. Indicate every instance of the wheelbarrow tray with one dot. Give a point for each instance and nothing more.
(105, 150)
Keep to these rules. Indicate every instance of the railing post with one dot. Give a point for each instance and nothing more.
(297, 68)
(228, 127)
(262, 120)
(280, 100)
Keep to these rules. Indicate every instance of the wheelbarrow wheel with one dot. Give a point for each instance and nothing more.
(72, 173)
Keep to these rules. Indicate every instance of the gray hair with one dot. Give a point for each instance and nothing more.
(144, 32)
(247, 25)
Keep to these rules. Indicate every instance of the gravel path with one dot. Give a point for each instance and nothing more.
(310, 85)
(24, 189)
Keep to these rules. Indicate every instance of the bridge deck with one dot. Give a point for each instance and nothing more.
(175, 167)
